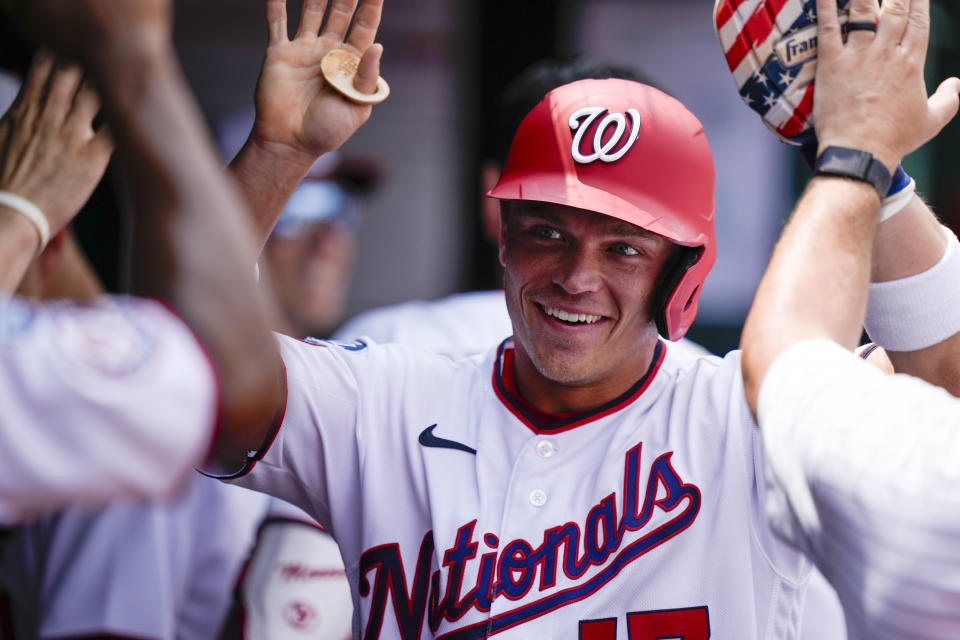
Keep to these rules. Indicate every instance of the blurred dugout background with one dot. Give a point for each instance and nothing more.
(446, 61)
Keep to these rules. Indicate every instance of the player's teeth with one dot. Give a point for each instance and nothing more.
(560, 314)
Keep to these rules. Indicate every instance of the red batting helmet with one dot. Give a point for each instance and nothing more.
(629, 151)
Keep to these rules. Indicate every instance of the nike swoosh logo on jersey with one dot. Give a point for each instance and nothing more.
(427, 439)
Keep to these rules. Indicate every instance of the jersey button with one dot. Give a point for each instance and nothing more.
(545, 449)
(538, 497)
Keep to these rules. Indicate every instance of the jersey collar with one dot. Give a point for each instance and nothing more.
(539, 422)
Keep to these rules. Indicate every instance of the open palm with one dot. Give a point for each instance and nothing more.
(298, 113)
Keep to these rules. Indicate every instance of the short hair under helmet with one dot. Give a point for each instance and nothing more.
(629, 151)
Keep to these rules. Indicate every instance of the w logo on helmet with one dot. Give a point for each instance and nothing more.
(614, 147)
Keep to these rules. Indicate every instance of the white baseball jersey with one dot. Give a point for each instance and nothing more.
(98, 402)
(465, 324)
(295, 585)
(458, 326)
(865, 474)
(462, 513)
(153, 570)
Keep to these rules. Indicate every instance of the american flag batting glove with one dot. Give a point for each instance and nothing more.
(771, 49)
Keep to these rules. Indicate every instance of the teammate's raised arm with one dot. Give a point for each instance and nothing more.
(299, 115)
(190, 247)
(870, 98)
(914, 305)
(857, 459)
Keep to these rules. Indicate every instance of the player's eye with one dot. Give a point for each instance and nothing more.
(547, 233)
(624, 249)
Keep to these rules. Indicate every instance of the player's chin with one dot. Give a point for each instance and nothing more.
(567, 367)
(566, 376)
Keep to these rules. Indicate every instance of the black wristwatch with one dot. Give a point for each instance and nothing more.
(856, 165)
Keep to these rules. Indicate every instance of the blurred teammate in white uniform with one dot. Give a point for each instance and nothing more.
(128, 376)
(60, 365)
(163, 568)
(119, 398)
(96, 369)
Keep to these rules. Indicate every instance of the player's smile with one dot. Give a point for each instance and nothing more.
(563, 321)
(578, 285)
(570, 318)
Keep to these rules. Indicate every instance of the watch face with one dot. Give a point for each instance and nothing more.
(854, 164)
(851, 162)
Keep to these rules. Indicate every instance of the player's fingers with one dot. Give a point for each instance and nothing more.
(945, 102)
(311, 17)
(893, 21)
(341, 12)
(35, 86)
(829, 38)
(862, 13)
(277, 21)
(30, 105)
(86, 105)
(917, 33)
(63, 87)
(864, 10)
(365, 26)
(368, 71)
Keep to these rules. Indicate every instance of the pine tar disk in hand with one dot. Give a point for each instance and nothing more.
(339, 68)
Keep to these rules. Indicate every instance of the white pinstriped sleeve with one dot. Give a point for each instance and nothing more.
(864, 470)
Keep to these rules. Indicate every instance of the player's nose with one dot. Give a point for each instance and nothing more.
(578, 271)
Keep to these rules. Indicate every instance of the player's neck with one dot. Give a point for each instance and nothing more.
(552, 397)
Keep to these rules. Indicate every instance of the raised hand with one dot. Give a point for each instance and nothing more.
(299, 116)
(871, 93)
(49, 152)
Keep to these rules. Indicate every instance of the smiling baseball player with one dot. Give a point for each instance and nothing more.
(550, 486)
(577, 481)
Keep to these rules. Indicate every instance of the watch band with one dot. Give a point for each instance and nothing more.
(856, 165)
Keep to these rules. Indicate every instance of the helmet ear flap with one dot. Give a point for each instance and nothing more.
(666, 311)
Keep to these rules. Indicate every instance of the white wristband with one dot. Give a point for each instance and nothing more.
(918, 311)
(898, 201)
(31, 212)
